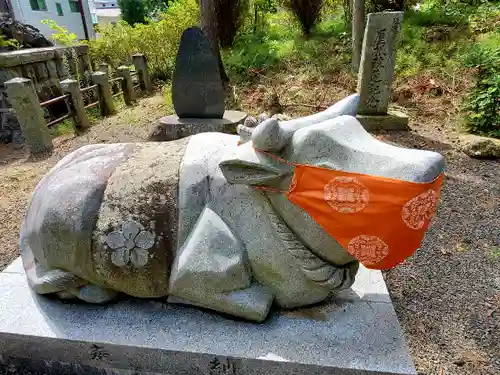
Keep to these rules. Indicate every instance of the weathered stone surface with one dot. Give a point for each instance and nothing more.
(107, 102)
(170, 128)
(10, 129)
(393, 120)
(80, 118)
(197, 90)
(142, 69)
(480, 147)
(24, 100)
(127, 84)
(356, 334)
(56, 232)
(212, 256)
(192, 204)
(277, 257)
(45, 73)
(212, 271)
(251, 122)
(133, 243)
(245, 131)
(378, 59)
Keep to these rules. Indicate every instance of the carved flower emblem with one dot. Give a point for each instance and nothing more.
(130, 244)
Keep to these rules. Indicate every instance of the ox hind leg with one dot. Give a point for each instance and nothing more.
(64, 284)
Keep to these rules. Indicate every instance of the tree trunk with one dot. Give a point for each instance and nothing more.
(209, 26)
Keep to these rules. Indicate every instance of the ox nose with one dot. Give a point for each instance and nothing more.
(427, 165)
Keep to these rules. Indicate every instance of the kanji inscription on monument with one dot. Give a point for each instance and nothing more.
(378, 61)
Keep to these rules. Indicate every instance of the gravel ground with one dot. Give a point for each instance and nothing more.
(447, 296)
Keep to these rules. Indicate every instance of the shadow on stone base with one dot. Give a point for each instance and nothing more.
(354, 333)
(394, 120)
(172, 127)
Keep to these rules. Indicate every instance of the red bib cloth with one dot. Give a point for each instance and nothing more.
(380, 221)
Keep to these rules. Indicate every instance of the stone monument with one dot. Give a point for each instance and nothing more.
(378, 60)
(197, 93)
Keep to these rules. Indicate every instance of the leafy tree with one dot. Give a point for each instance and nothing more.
(230, 16)
(308, 13)
(133, 11)
(209, 25)
(61, 35)
(155, 7)
(260, 8)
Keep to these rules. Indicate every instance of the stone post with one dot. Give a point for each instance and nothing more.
(103, 67)
(107, 103)
(358, 29)
(80, 118)
(70, 54)
(378, 59)
(23, 98)
(141, 67)
(127, 84)
(62, 72)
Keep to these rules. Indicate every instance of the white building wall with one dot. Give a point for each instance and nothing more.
(71, 21)
(106, 4)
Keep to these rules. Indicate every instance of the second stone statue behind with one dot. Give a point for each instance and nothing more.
(198, 95)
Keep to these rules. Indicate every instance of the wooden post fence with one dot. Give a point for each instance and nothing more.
(77, 106)
(30, 112)
(103, 67)
(24, 100)
(101, 79)
(127, 84)
(141, 67)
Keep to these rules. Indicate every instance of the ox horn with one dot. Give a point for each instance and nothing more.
(272, 135)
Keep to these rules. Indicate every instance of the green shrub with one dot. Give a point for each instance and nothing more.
(485, 18)
(434, 15)
(482, 104)
(9, 44)
(159, 41)
(280, 45)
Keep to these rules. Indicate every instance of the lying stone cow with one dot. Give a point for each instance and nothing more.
(182, 220)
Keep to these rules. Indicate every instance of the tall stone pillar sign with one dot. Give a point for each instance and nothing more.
(378, 59)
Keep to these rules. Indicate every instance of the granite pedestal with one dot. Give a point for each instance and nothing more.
(357, 332)
(393, 120)
(172, 127)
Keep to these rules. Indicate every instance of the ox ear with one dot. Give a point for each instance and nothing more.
(247, 173)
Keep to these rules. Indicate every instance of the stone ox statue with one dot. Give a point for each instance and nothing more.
(181, 220)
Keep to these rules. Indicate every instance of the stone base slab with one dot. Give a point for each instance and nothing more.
(394, 120)
(357, 332)
(172, 127)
